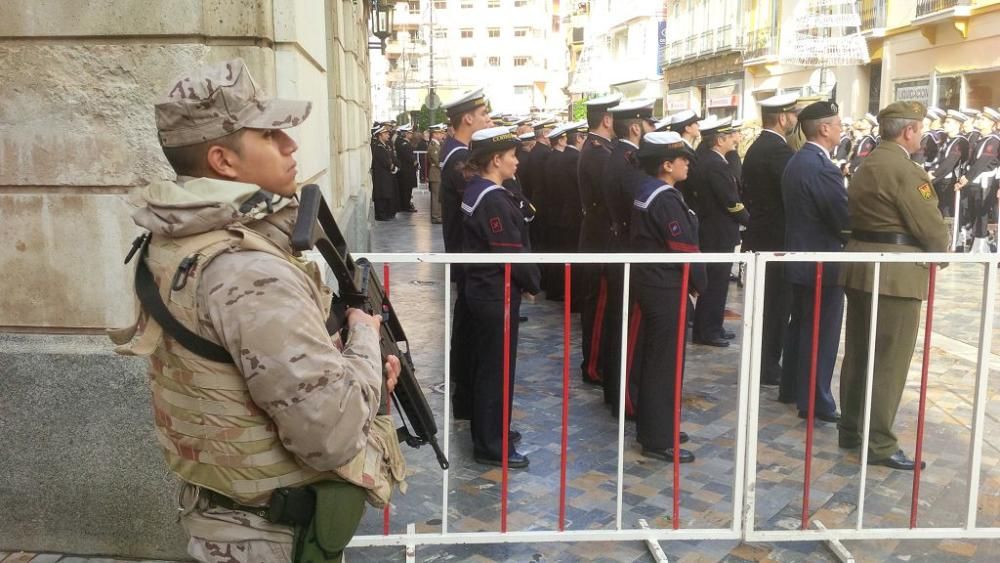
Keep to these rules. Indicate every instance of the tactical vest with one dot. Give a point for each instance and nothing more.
(207, 424)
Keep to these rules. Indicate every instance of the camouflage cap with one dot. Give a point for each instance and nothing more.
(903, 110)
(218, 99)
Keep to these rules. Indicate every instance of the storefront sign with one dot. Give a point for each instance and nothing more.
(913, 91)
(679, 100)
(661, 46)
(722, 96)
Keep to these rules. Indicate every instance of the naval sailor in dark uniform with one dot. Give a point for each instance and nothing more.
(467, 114)
(595, 231)
(662, 222)
(947, 170)
(720, 214)
(631, 120)
(493, 222)
(980, 176)
(762, 169)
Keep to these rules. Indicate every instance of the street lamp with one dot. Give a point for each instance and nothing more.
(381, 21)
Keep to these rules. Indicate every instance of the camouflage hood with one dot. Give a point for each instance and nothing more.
(192, 206)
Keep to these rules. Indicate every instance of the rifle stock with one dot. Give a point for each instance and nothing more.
(358, 286)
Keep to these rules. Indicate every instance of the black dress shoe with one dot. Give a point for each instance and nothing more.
(410, 209)
(522, 319)
(820, 416)
(514, 437)
(514, 461)
(897, 460)
(717, 342)
(668, 455)
(728, 334)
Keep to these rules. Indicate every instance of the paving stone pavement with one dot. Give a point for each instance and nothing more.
(710, 413)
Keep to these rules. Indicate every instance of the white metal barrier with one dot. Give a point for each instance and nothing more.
(743, 525)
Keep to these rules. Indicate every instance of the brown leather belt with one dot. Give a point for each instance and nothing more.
(901, 239)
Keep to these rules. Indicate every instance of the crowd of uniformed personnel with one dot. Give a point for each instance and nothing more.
(624, 181)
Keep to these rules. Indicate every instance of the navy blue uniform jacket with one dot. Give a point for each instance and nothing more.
(815, 212)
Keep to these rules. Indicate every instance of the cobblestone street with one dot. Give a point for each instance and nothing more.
(710, 415)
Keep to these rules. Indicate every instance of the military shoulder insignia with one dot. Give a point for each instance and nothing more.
(675, 229)
(495, 225)
(925, 191)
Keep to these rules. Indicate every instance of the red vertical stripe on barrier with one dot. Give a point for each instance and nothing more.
(388, 401)
(924, 367)
(678, 377)
(810, 420)
(595, 333)
(506, 396)
(567, 300)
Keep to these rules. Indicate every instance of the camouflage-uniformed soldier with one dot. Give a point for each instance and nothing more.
(280, 405)
(434, 171)
(892, 208)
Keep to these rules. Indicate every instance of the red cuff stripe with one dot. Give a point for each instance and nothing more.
(507, 244)
(681, 246)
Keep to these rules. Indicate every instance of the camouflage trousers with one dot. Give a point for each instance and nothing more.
(219, 535)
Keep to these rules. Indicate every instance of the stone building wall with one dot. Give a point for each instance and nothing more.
(77, 143)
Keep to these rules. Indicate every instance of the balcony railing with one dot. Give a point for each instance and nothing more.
(705, 44)
(928, 7)
(760, 43)
(873, 14)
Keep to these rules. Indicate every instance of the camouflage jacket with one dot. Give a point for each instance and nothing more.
(268, 312)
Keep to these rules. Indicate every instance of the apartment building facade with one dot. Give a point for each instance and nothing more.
(512, 48)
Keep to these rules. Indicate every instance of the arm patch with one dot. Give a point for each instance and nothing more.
(925, 191)
(495, 225)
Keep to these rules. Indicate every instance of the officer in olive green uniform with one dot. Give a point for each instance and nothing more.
(893, 208)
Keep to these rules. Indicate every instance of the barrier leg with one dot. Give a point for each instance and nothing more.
(956, 220)
(411, 548)
(869, 377)
(652, 545)
(835, 546)
(921, 415)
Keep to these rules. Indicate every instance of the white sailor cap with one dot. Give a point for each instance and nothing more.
(971, 112)
(378, 128)
(716, 126)
(438, 127)
(465, 103)
(682, 119)
(633, 109)
(491, 140)
(781, 103)
(557, 131)
(663, 144)
(935, 113)
(405, 128)
(529, 136)
(871, 119)
(544, 122)
(603, 103)
(577, 127)
(846, 121)
(991, 114)
(664, 123)
(957, 116)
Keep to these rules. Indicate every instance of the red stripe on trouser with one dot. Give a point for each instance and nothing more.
(595, 332)
(633, 335)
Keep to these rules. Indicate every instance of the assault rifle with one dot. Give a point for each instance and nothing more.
(358, 287)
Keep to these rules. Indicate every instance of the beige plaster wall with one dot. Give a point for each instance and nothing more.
(77, 137)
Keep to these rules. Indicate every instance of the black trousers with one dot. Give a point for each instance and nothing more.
(461, 354)
(384, 208)
(487, 380)
(407, 179)
(611, 334)
(711, 308)
(777, 301)
(660, 309)
(798, 344)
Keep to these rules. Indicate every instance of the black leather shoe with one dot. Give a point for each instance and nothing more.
(717, 342)
(410, 209)
(514, 437)
(514, 461)
(897, 460)
(728, 334)
(668, 455)
(820, 416)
